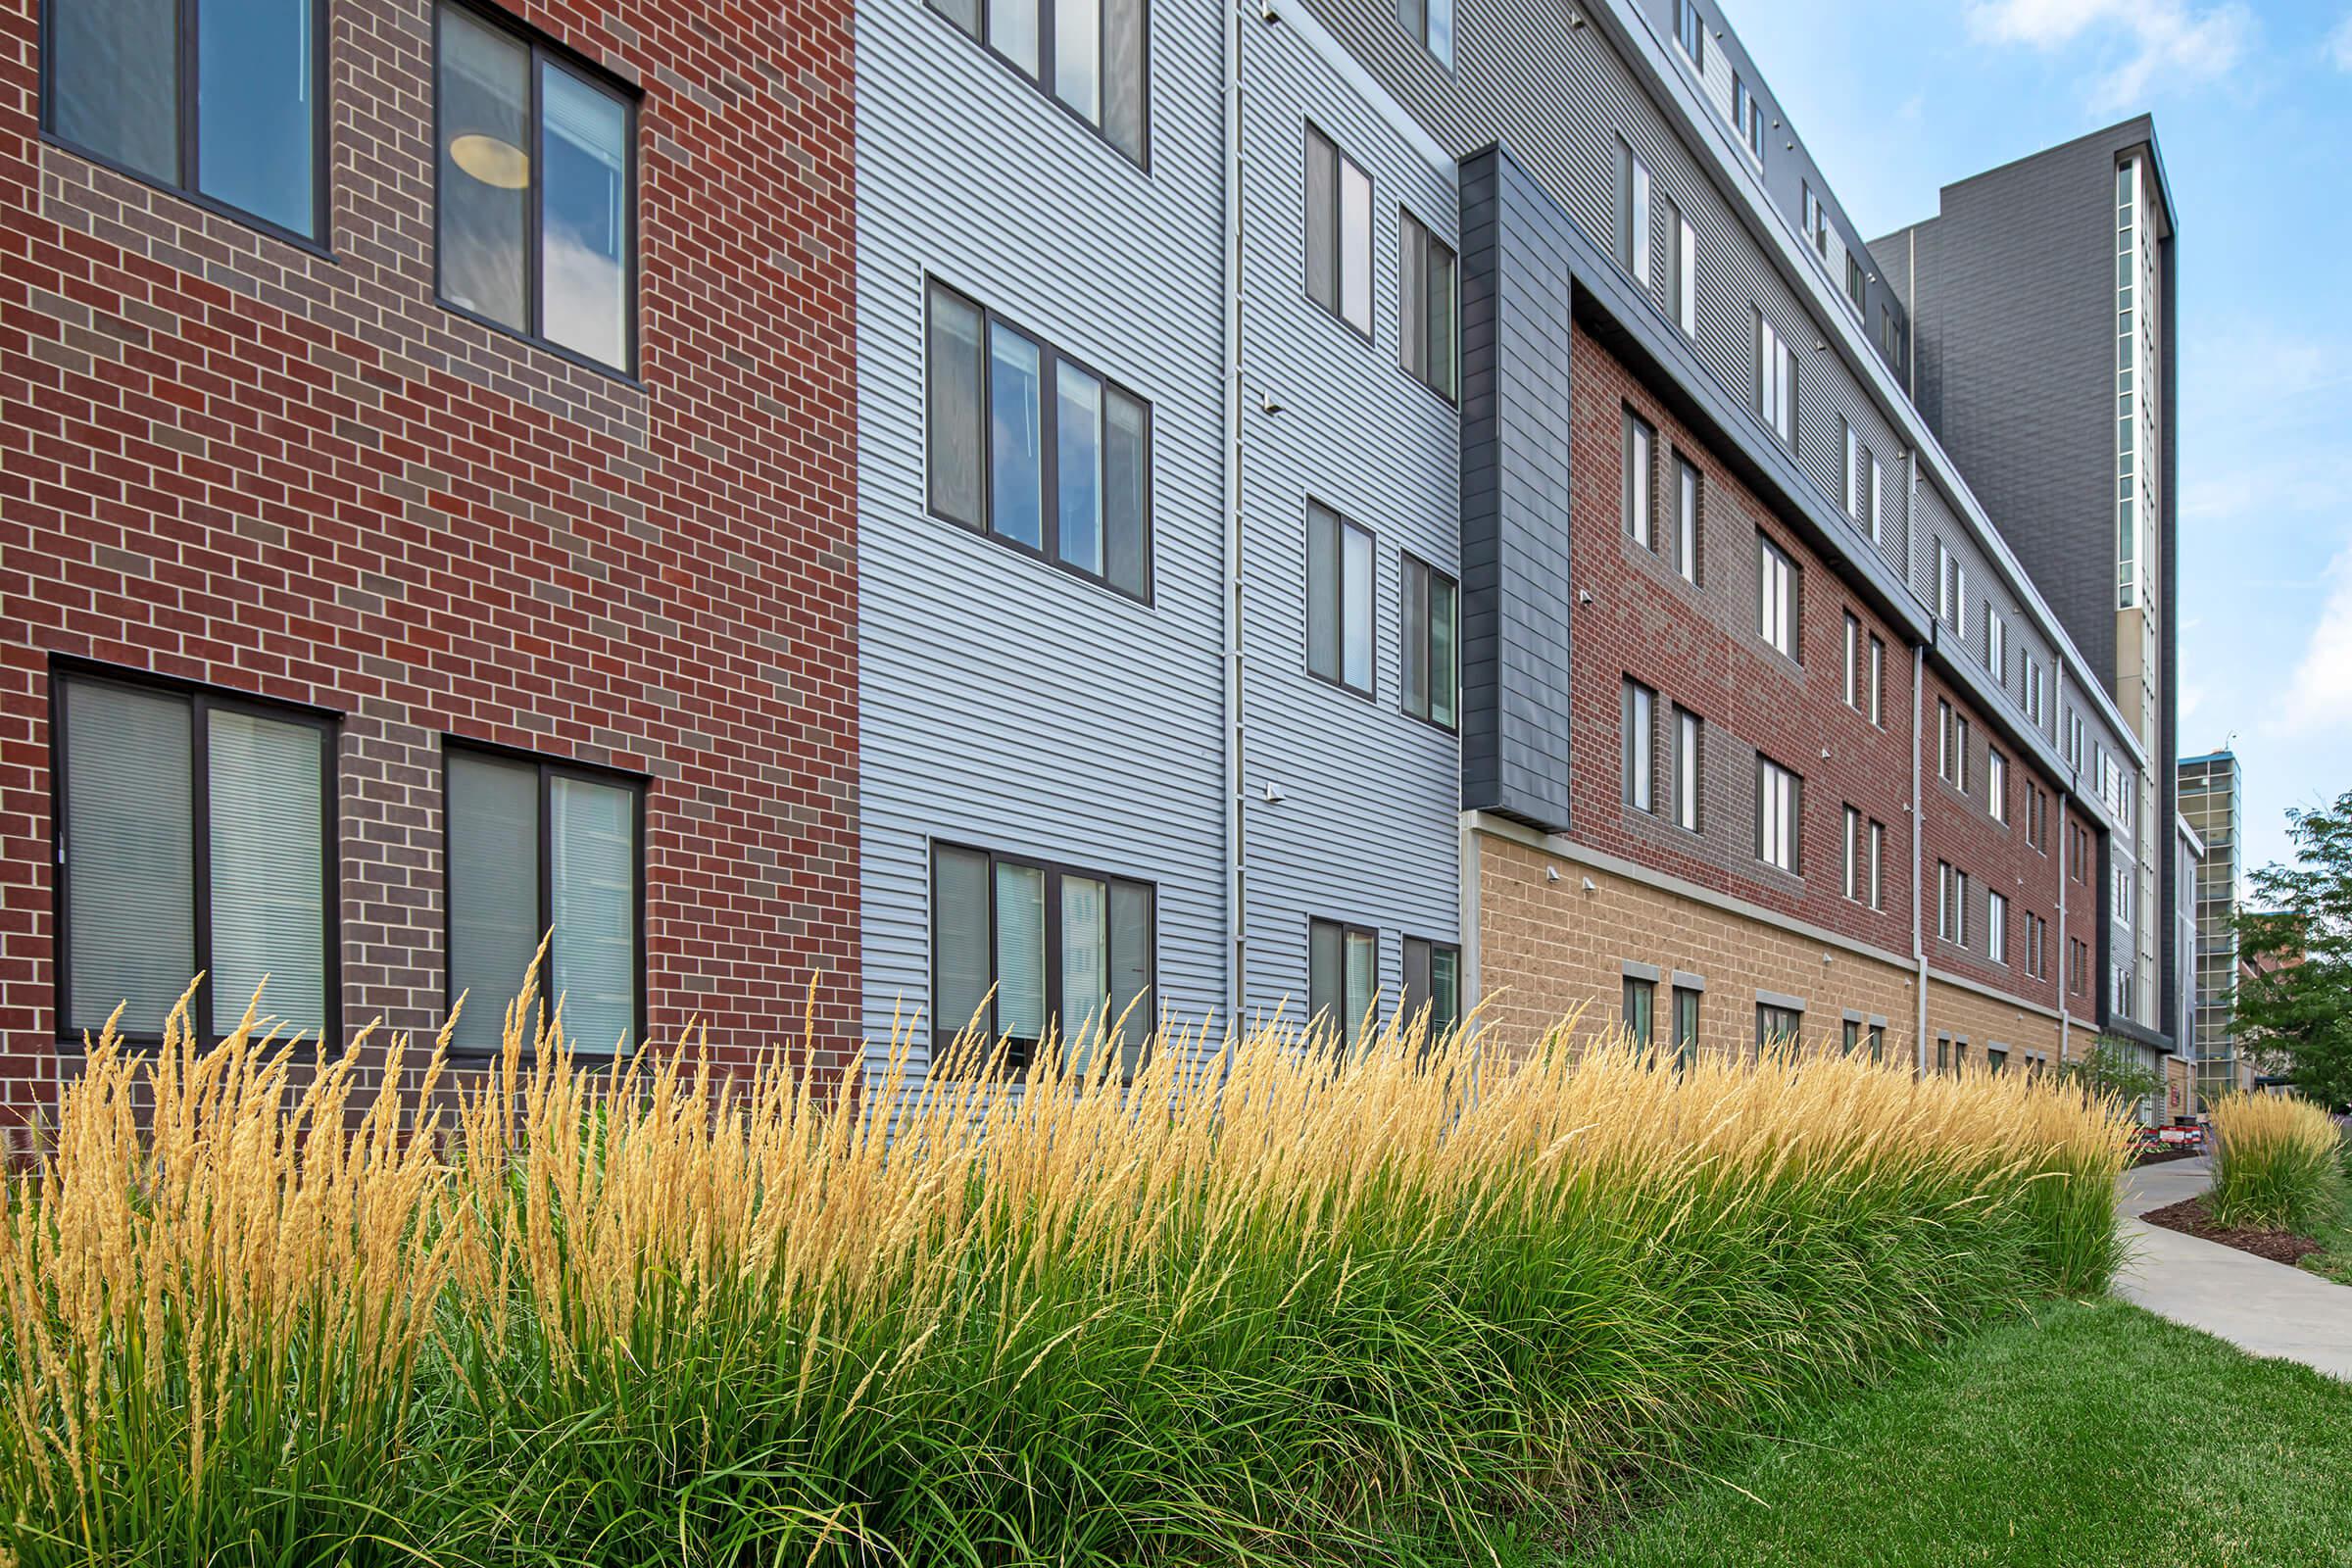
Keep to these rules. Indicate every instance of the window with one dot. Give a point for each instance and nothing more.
(1878, 1042)
(534, 847)
(1641, 468)
(1996, 785)
(1687, 761)
(1338, 599)
(1640, 1008)
(1338, 233)
(195, 832)
(1775, 381)
(1430, 621)
(1878, 864)
(1430, 23)
(1817, 220)
(1778, 1028)
(1088, 55)
(1776, 597)
(1747, 117)
(2074, 739)
(1997, 927)
(2033, 691)
(1890, 342)
(1951, 747)
(1686, 1025)
(534, 191)
(1854, 1037)
(1035, 450)
(1638, 706)
(1996, 647)
(1877, 682)
(1856, 285)
(1633, 213)
(1777, 813)
(1943, 1053)
(1878, 500)
(1684, 282)
(223, 100)
(2036, 928)
(1691, 32)
(1951, 913)
(1686, 519)
(1852, 852)
(1071, 955)
(1853, 661)
(1853, 468)
(1951, 589)
(1426, 292)
(1433, 978)
(1342, 976)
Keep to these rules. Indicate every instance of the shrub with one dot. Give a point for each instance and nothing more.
(1260, 1307)
(2275, 1164)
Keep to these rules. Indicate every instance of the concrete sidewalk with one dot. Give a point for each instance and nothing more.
(2262, 1307)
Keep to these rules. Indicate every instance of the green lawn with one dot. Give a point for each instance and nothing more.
(2093, 1435)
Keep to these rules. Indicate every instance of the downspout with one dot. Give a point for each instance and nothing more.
(2066, 796)
(1234, 856)
(1919, 946)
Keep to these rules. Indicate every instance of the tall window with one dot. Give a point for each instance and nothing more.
(1878, 864)
(535, 190)
(1776, 597)
(1951, 589)
(1996, 647)
(1853, 468)
(1343, 975)
(1431, 626)
(1775, 381)
(1641, 738)
(1878, 500)
(1684, 282)
(1431, 24)
(1639, 1012)
(223, 100)
(1777, 793)
(1857, 285)
(1817, 220)
(1877, 678)
(1853, 661)
(1087, 55)
(1691, 32)
(1996, 785)
(2033, 691)
(1686, 519)
(1852, 857)
(1034, 449)
(1339, 233)
(1951, 747)
(1071, 955)
(1686, 1025)
(1633, 213)
(1432, 977)
(1338, 599)
(536, 846)
(1689, 766)
(1852, 1042)
(1640, 469)
(1997, 927)
(1747, 117)
(195, 832)
(1426, 293)
(1951, 908)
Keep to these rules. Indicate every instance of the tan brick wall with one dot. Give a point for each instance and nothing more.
(1546, 949)
(1985, 1023)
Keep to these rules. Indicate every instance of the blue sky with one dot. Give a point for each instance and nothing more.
(2253, 107)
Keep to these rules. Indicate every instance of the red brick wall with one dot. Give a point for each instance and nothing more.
(1700, 647)
(2083, 921)
(227, 459)
(1961, 830)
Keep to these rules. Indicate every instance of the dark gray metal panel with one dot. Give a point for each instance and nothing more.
(1517, 300)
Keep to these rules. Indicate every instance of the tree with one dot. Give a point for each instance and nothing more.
(2113, 1071)
(2295, 988)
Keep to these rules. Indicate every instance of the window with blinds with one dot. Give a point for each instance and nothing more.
(195, 834)
(539, 849)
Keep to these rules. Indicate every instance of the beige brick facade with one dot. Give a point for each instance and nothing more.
(1967, 1025)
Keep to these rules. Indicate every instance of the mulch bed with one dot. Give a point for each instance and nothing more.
(2192, 1218)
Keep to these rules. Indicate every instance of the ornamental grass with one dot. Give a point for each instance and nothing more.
(2276, 1163)
(1268, 1303)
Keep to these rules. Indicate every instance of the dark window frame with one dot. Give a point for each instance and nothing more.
(1645, 513)
(1857, 282)
(550, 769)
(1685, 1040)
(1690, 32)
(185, 129)
(1339, 681)
(1444, 62)
(1430, 948)
(1041, 82)
(1049, 452)
(1342, 1027)
(1636, 988)
(543, 48)
(1337, 311)
(202, 700)
(1412, 327)
(1688, 567)
(1406, 565)
(1020, 1054)
(1638, 752)
(1776, 1023)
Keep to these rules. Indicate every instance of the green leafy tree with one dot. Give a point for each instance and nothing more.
(2113, 1071)
(2295, 995)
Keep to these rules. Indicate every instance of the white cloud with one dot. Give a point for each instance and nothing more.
(2167, 39)
(2339, 43)
(2319, 695)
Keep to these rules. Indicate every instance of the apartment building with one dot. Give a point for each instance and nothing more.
(430, 451)
(2041, 299)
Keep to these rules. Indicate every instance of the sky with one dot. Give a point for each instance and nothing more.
(2253, 107)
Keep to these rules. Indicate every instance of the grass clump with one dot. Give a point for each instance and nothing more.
(2276, 1163)
(1265, 1305)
